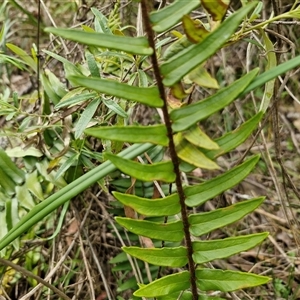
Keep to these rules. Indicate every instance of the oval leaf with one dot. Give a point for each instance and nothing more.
(203, 223)
(172, 231)
(167, 206)
(156, 134)
(169, 257)
(159, 171)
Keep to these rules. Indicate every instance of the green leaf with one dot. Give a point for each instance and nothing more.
(164, 286)
(200, 193)
(172, 231)
(49, 90)
(10, 169)
(27, 59)
(203, 223)
(115, 107)
(66, 165)
(34, 186)
(86, 117)
(167, 206)
(47, 206)
(192, 155)
(156, 134)
(24, 197)
(6, 183)
(92, 64)
(272, 73)
(186, 295)
(206, 251)
(101, 22)
(185, 117)
(234, 138)
(158, 171)
(167, 17)
(199, 138)
(150, 95)
(137, 45)
(75, 97)
(181, 64)
(227, 281)
(169, 257)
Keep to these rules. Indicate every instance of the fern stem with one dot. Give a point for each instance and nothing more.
(173, 154)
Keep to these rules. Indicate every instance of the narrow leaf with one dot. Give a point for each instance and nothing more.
(167, 206)
(145, 95)
(26, 59)
(192, 155)
(181, 64)
(170, 15)
(158, 171)
(203, 223)
(169, 257)
(67, 192)
(227, 281)
(10, 169)
(234, 138)
(199, 138)
(156, 134)
(185, 117)
(200, 193)
(172, 231)
(75, 97)
(92, 64)
(137, 45)
(206, 251)
(115, 107)
(6, 183)
(164, 286)
(272, 73)
(86, 117)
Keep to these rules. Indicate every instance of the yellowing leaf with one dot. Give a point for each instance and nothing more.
(200, 76)
(177, 91)
(194, 30)
(192, 155)
(198, 138)
(217, 9)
